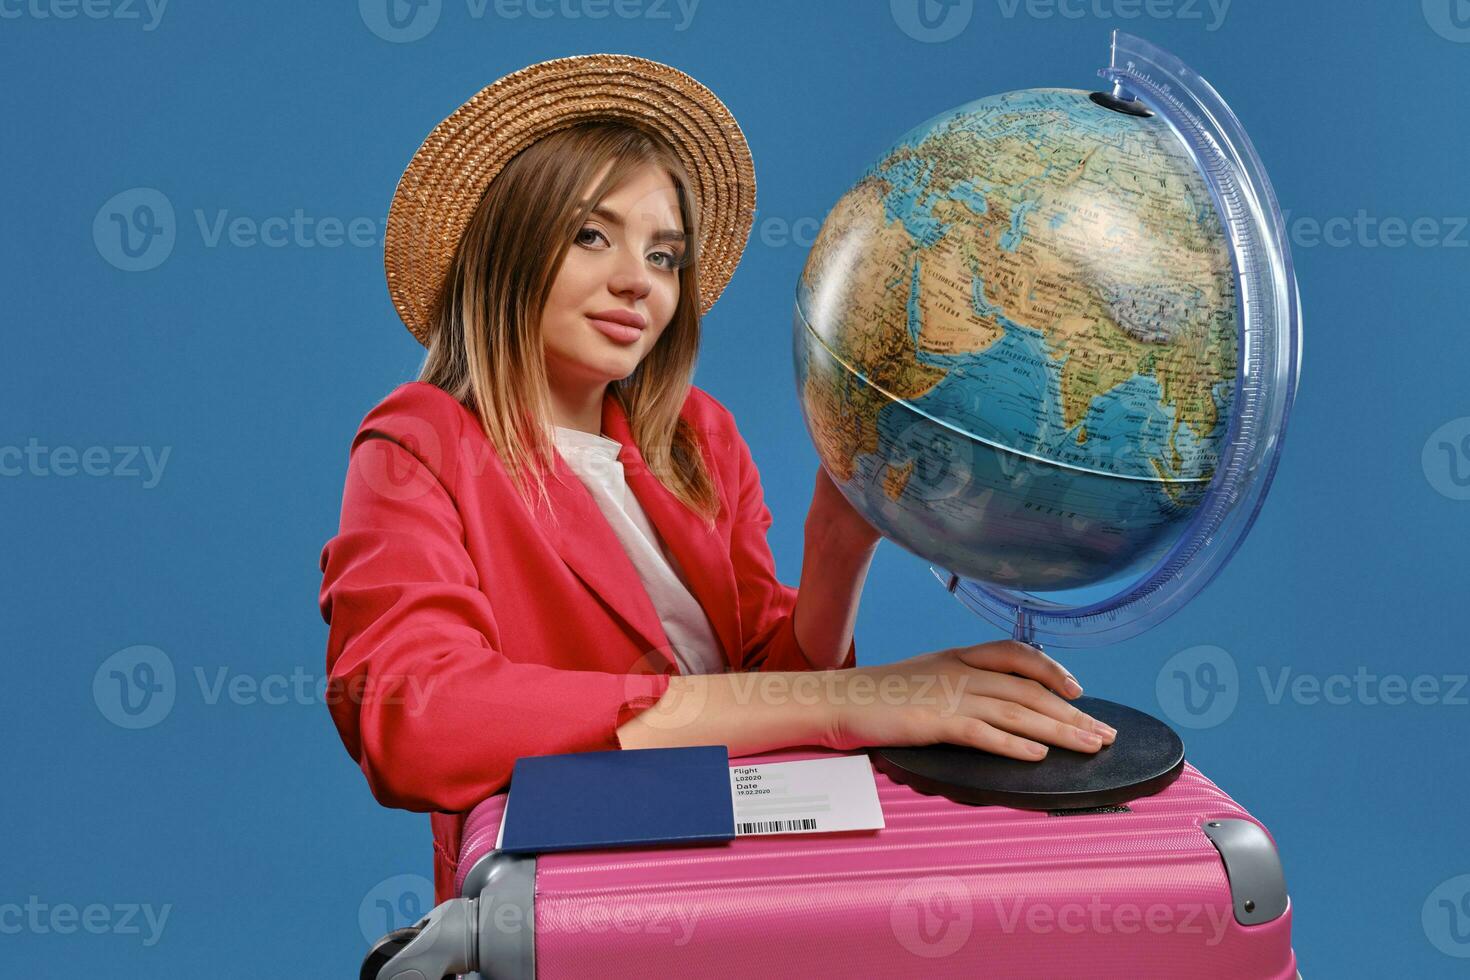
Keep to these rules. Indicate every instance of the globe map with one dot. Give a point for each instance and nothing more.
(1016, 340)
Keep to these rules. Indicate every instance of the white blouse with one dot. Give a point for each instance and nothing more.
(594, 458)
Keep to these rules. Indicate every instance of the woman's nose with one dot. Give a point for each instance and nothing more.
(630, 277)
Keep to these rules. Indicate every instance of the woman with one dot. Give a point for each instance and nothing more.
(553, 542)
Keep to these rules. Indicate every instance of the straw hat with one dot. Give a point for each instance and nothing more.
(449, 173)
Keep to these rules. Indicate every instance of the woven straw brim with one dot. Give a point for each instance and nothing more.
(444, 182)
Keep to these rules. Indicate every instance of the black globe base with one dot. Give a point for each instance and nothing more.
(1146, 757)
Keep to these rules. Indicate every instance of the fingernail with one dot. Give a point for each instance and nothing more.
(1091, 738)
(1071, 688)
(1102, 729)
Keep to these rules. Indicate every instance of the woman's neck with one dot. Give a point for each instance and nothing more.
(581, 409)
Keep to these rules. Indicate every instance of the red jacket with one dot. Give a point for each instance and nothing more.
(467, 631)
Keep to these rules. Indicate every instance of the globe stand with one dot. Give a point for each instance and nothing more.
(1145, 758)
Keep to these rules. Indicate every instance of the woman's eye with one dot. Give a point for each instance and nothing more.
(588, 235)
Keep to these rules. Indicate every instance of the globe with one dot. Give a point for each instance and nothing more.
(1048, 340)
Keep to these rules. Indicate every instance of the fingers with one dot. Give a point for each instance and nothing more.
(1031, 695)
(976, 733)
(1012, 656)
(1081, 735)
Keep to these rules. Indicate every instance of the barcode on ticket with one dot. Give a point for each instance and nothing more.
(773, 826)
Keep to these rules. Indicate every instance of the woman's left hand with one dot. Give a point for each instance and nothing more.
(833, 519)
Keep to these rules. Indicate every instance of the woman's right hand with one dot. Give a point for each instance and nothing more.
(965, 696)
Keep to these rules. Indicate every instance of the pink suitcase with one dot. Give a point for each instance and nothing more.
(1184, 883)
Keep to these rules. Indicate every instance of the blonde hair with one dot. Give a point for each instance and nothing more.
(486, 347)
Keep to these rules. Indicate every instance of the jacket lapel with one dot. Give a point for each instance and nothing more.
(586, 541)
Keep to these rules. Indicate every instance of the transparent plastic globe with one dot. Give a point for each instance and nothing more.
(1049, 342)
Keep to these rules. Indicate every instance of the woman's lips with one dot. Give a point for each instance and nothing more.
(622, 333)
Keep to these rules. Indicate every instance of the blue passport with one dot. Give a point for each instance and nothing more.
(621, 798)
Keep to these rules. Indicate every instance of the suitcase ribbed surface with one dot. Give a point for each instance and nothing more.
(944, 890)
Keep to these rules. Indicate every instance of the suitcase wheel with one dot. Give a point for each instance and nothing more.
(384, 950)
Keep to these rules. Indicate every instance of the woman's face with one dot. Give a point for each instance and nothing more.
(624, 263)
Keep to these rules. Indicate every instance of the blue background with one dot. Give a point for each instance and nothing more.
(252, 366)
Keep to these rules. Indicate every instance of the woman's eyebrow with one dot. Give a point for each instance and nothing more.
(662, 235)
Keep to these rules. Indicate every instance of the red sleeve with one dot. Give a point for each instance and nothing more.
(424, 698)
(766, 604)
